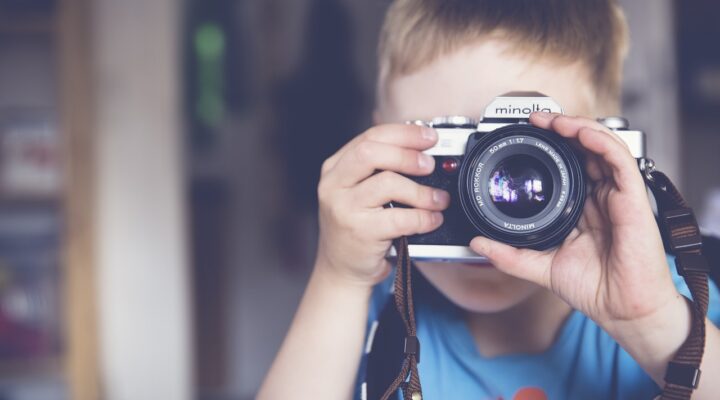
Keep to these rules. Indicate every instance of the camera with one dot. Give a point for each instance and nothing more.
(508, 180)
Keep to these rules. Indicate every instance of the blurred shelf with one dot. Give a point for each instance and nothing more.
(26, 23)
(33, 239)
(11, 201)
(29, 368)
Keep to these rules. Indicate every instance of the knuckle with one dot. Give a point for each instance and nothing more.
(386, 178)
(560, 120)
(410, 222)
(585, 120)
(383, 182)
(410, 159)
(409, 134)
(424, 222)
(326, 165)
(411, 131)
(399, 222)
(557, 120)
(364, 151)
(374, 133)
(386, 181)
(423, 194)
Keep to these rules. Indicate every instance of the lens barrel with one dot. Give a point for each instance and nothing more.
(522, 185)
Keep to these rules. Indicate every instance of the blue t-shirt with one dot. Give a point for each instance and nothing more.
(584, 362)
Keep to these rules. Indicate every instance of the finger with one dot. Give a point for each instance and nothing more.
(368, 156)
(401, 135)
(623, 166)
(594, 168)
(592, 218)
(391, 223)
(543, 119)
(418, 137)
(568, 126)
(522, 263)
(597, 139)
(388, 186)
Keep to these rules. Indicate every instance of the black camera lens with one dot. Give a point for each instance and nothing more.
(522, 185)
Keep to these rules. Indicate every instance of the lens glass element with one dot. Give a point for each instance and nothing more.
(520, 186)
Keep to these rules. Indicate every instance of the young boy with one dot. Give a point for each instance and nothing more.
(598, 317)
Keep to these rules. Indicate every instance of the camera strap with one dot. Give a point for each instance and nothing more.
(681, 237)
(408, 380)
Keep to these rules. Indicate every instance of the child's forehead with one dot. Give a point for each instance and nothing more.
(465, 81)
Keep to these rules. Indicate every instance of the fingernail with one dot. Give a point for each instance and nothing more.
(440, 196)
(425, 161)
(428, 133)
(437, 217)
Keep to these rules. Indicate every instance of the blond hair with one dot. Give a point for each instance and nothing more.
(417, 32)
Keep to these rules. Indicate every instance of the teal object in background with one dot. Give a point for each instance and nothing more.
(209, 44)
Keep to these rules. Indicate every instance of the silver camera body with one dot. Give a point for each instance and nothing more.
(546, 204)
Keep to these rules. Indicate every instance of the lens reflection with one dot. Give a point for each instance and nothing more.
(520, 186)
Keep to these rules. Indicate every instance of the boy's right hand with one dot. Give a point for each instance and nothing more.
(356, 231)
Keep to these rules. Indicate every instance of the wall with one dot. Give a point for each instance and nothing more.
(650, 90)
(141, 234)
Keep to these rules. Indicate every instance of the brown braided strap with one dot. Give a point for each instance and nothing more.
(408, 379)
(682, 239)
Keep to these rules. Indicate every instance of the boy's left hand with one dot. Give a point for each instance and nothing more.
(612, 266)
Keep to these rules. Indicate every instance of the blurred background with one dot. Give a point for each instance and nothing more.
(158, 164)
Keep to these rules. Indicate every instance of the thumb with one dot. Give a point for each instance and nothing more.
(527, 264)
